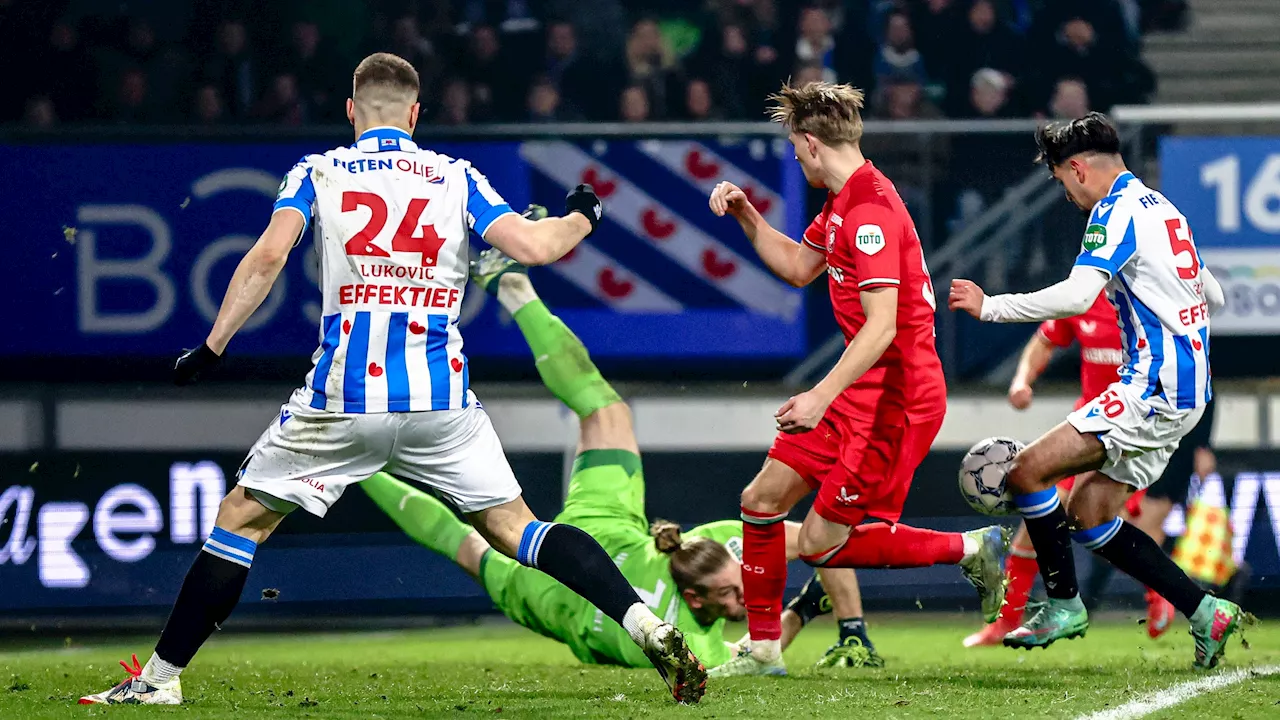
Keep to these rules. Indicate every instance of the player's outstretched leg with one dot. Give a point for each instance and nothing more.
(1132, 551)
(562, 360)
(209, 593)
(420, 516)
(979, 553)
(1020, 570)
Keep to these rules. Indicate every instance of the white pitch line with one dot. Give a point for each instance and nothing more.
(1181, 693)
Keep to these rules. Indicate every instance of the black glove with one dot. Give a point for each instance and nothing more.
(583, 199)
(811, 602)
(193, 362)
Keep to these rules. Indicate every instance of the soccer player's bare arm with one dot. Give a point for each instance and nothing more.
(542, 242)
(1035, 358)
(791, 261)
(537, 242)
(255, 276)
(803, 412)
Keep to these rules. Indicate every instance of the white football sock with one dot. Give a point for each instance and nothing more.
(766, 651)
(639, 622)
(159, 672)
(515, 291)
(971, 545)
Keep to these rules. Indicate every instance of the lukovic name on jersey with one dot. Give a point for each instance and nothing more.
(1145, 246)
(392, 222)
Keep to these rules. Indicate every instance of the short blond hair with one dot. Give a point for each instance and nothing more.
(384, 82)
(827, 111)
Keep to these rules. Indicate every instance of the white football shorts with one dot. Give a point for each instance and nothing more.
(1139, 434)
(308, 457)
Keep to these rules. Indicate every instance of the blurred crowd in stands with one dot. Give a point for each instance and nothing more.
(289, 62)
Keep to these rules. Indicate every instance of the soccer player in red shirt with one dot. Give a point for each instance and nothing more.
(859, 434)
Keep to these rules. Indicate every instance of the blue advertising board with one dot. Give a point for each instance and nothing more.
(1229, 189)
(126, 249)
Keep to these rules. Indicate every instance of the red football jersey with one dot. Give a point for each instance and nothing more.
(870, 241)
(1098, 332)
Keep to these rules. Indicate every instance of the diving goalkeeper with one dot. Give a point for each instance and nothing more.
(693, 579)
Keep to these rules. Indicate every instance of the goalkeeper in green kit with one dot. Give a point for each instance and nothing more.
(692, 579)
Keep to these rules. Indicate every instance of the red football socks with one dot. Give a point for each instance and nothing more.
(881, 545)
(764, 572)
(1021, 571)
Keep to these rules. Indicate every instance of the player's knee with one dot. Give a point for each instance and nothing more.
(1089, 508)
(1025, 475)
(771, 491)
(757, 496)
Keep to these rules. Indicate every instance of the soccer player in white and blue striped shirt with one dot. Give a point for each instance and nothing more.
(389, 387)
(1140, 249)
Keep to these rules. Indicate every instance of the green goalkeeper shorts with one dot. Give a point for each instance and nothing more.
(605, 500)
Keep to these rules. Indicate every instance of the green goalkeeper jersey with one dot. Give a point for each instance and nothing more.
(649, 573)
(606, 499)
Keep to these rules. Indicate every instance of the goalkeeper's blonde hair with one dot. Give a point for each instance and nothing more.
(828, 111)
(691, 560)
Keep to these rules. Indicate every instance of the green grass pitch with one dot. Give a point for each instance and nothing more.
(499, 670)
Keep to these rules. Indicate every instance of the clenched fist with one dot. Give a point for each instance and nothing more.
(966, 296)
(728, 198)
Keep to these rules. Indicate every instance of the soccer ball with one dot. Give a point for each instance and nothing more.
(982, 475)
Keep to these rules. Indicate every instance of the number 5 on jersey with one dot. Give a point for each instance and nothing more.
(410, 236)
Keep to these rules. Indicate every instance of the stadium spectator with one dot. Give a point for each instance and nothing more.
(650, 64)
(40, 113)
(543, 104)
(208, 106)
(232, 68)
(727, 66)
(72, 91)
(281, 104)
(491, 81)
(698, 102)
(132, 103)
(989, 95)
(580, 89)
(816, 44)
(986, 43)
(455, 104)
(934, 23)
(633, 106)
(307, 60)
(898, 58)
(806, 74)
(1070, 99)
(408, 42)
(902, 98)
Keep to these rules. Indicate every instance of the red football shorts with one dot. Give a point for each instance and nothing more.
(861, 467)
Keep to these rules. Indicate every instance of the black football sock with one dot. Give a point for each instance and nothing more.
(811, 602)
(1046, 521)
(208, 595)
(854, 627)
(575, 559)
(1134, 552)
(1095, 583)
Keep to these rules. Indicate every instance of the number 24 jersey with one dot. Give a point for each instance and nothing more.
(392, 222)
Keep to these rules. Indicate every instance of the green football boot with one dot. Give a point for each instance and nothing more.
(1053, 621)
